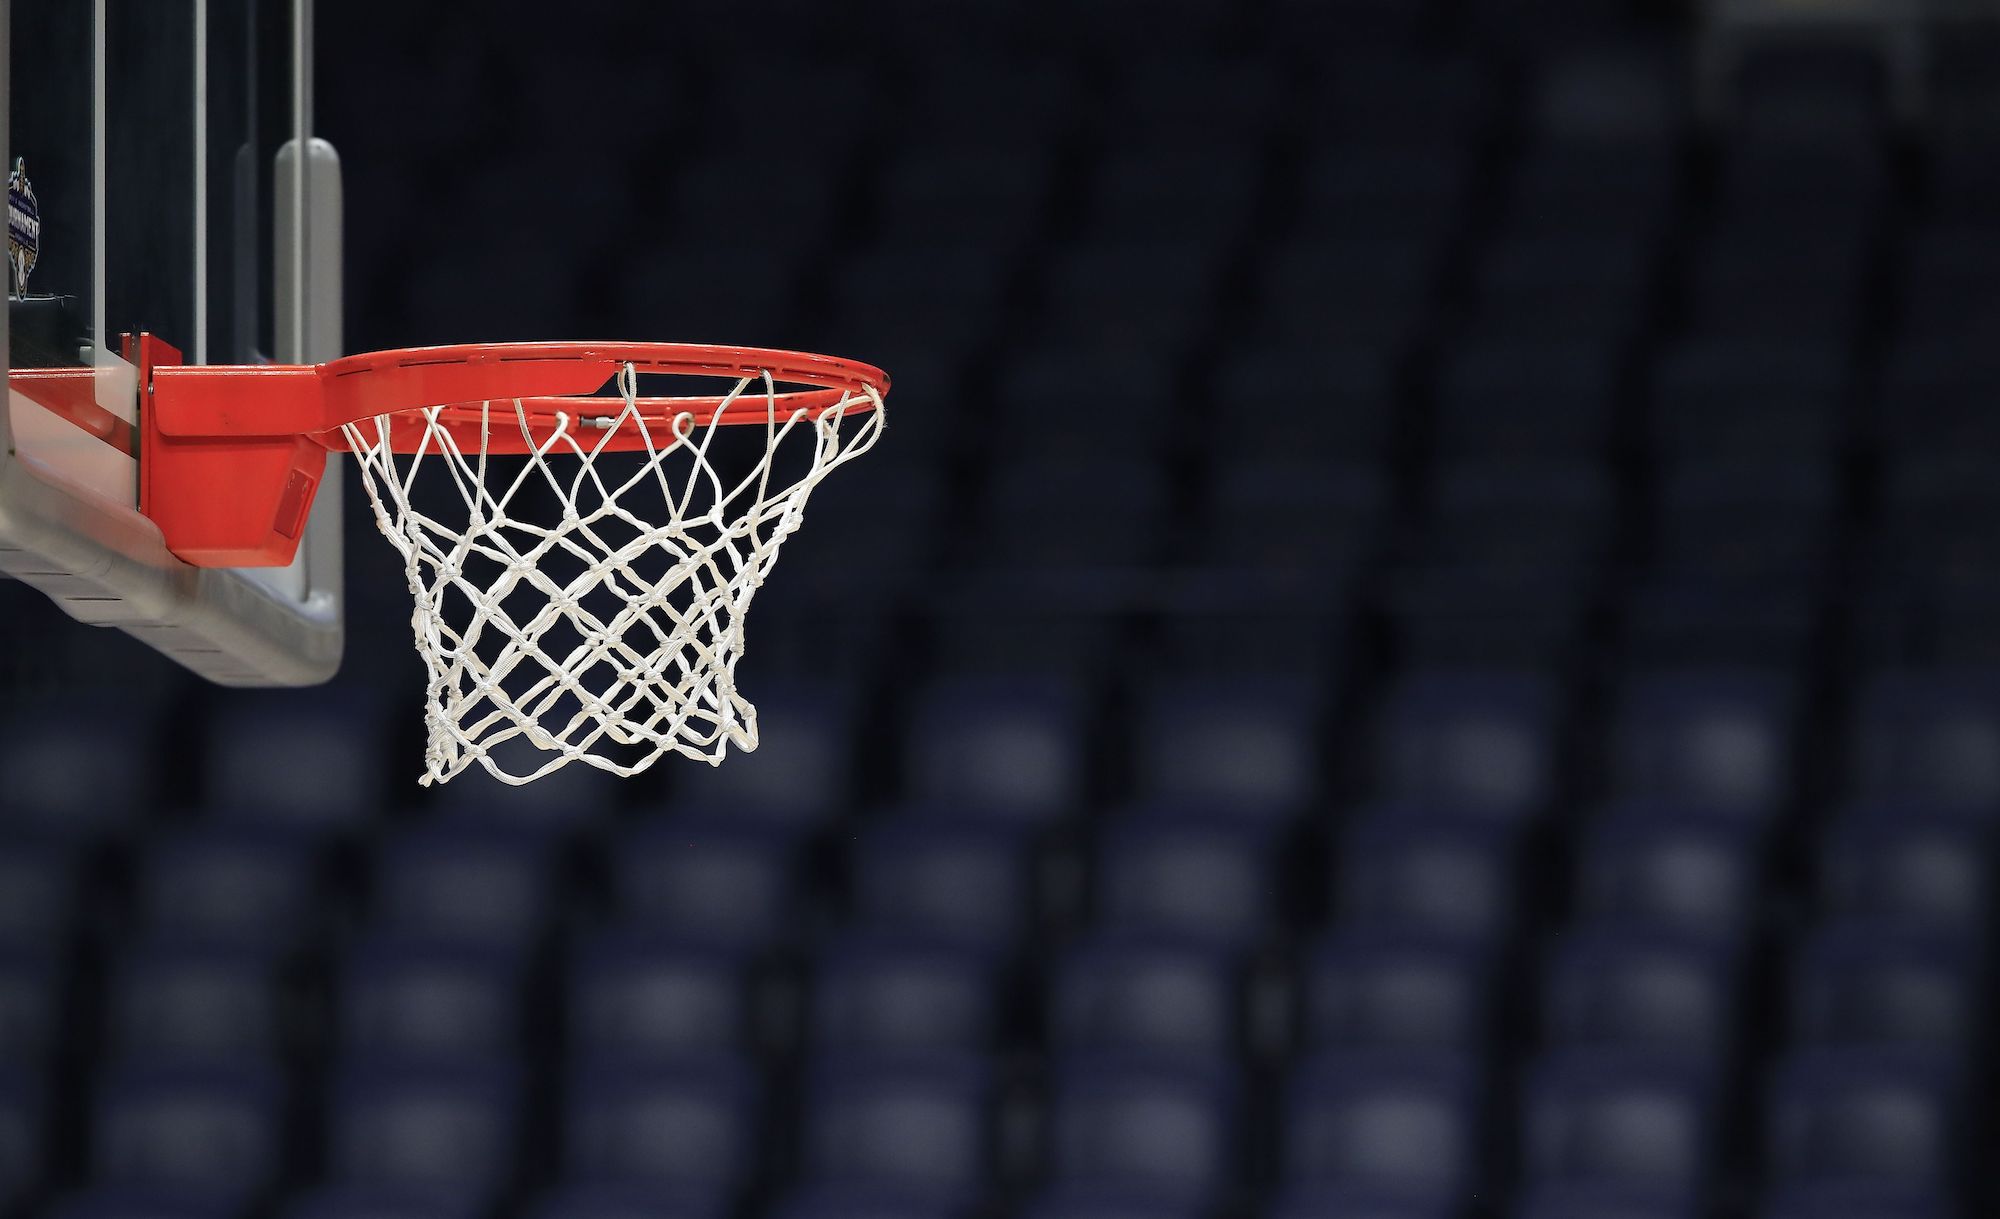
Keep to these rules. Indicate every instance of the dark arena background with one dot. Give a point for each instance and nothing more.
(1419, 646)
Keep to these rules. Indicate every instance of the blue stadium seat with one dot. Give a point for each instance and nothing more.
(1670, 866)
(1864, 1118)
(215, 1130)
(799, 774)
(1641, 989)
(1091, 391)
(691, 1124)
(1382, 988)
(77, 767)
(1252, 744)
(141, 1202)
(1768, 519)
(285, 759)
(1723, 395)
(1162, 1124)
(1721, 739)
(1344, 399)
(1706, 617)
(21, 1134)
(1858, 1200)
(1870, 983)
(1391, 1123)
(1929, 736)
(1318, 1201)
(1934, 382)
(1480, 742)
(1621, 1120)
(588, 1200)
(918, 1122)
(229, 885)
(1911, 863)
(467, 880)
(438, 1128)
(1099, 1200)
(38, 891)
(852, 1201)
(30, 1005)
(1506, 396)
(1398, 868)
(348, 1201)
(1071, 512)
(1293, 515)
(1014, 747)
(1118, 991)
(413, 998)
(195, 1001)
(727, 882)
(1154, 284)
(1552, 291)
(902, 991)
(1205, 877)
(1600, 1201)
(646, 996)
(927, 869)
(1518, 515)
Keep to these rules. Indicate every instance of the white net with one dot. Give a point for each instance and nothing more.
(591, 601)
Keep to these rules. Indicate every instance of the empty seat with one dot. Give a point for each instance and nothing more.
(1848, 1199)
(1670, 866)
(77, 766)
(1163, 1124)
(379, 1202)
(907, 991)
(446, 1129)
(1909, 863)
(237, 885)
(1616, 986)
(1863, 982)
(1111, 992)
(1312, 1200)
(1704, 617)
(1394, 1123)
(1627, 1119)
(1250, 743)
(141, 1202)
(1292, 515)
(1072, 512)
(1526, 397)
(283, 758)
(1329, 405)
(1012, 746)
(1384, 988)
(1481, 742)
(848, 1200)
(1764, 518)
(465, 880)
(21, 1134)
(215, 1130)
(799, 772)
(646, 996)
(1205, 877)
(196, 1001)
(610, 1200)
(402, 997)
(1750, 396)
(929, 870)
(1098, 1200)
(1425, 873)
(30, 1005)
(1720, 739)
(921, 1122)
(1597, 1200)
(38, 887)
(1864, 1115)
(691, 1123)
(1518, 516)
(727, 882)
(1930, 736)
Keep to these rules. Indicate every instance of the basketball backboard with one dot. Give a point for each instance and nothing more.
(164, 181)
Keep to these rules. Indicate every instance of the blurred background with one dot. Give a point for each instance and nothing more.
(1418, 647)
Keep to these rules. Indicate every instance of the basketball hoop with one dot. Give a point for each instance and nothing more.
(585, 583)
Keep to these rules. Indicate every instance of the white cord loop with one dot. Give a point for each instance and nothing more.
(611, 636)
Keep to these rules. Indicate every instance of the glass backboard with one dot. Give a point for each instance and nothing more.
(163, 180)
